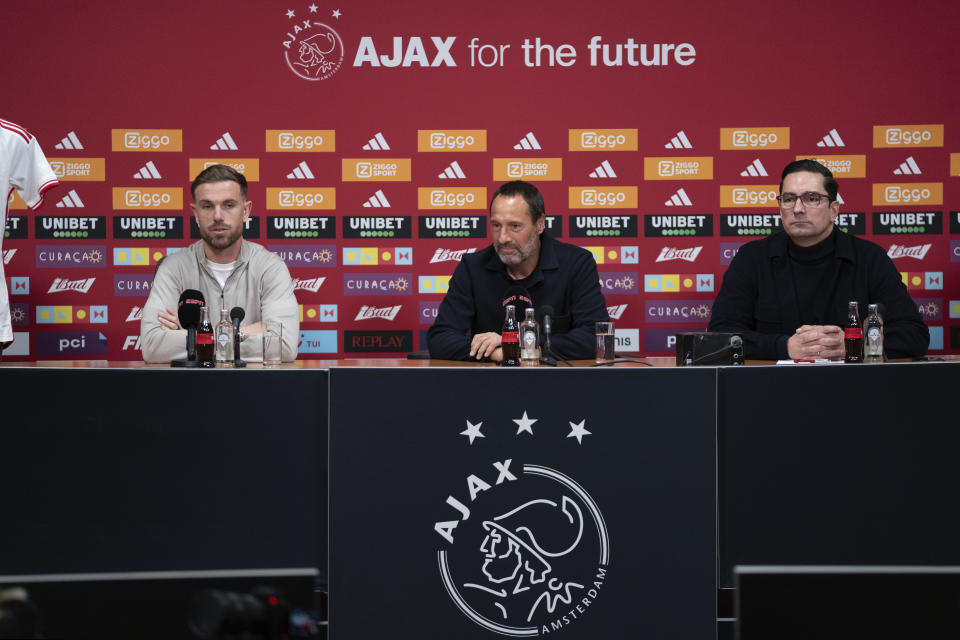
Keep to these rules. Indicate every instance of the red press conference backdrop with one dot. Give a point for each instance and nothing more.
(374, 132)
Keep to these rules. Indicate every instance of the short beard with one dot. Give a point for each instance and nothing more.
(223, 243)
(522, 254)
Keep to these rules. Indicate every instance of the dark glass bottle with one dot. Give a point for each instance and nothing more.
(853, 334)
(510, 338)
(205, 340)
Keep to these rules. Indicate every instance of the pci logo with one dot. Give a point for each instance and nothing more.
(915, 135)
(59, 285)
(754, 138)
(61, 256)
(616, 311)
(318, 313)
(377, 226)
(308, 284)
(602, 197)
(603, 139)
(139, 256)
(922, 280)
(377, 284)
(543, 169)
(251, 228)
(661, 339)
(728, 250)
(146, 139)
(662, 311)
(70, 227)
(853, 223)
(377, 341)
(748, 224)
(451, 140)
(628, 340)
(847, 166)
(692, 168)
(922, 193)
(428, 312)
(79, 169)
(584, 226)
(15, 228)
(438, 227)
(909, 222)
(749, 196)
(306, 255)
(147, 198)
(672, 253)
(69, 314)
(132, 284)
(364, 256)
(622, 282)
(20, 285)
(310, 198)
(917, 252)
(136, 227)
(301, 227)
(452, 198)
(434, 284)
(249, 167)
(318, 341)
(615, 255)
(72, 343)
(930, 308)
(955, 251)
(314, 140)
(19, 314)
(676, 282)
(450, 255)
(385, 170)
(369, 312)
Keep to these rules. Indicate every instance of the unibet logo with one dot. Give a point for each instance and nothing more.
(602, 198)
(755, 138)
(147, 139)
(452, 198)
(748, 196)
(923, 193)
(451, 140)
(918, 135)
(603, 139)
(249, 167)
(685, 168)
(148, 198)
(301, 140)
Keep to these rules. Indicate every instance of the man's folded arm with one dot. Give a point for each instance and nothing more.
(156, 343)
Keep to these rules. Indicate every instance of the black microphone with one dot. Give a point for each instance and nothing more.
(236, 315)
(545, 312)
(189, 315)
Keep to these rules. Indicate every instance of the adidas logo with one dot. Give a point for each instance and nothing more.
(452, 172)
(70, 142)
(908, 167)
(679, 199)
(147, 172)
(377, 200)
(377, 143)
(71, 200)
(301, 172)
(754, 169)
(679, 141)
(832, 139)
(528, 142)
(604, 170)
(224, 143)
(839, 199)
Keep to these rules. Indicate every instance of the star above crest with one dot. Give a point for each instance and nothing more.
(578, 431)
(472, 431)
(525, 424)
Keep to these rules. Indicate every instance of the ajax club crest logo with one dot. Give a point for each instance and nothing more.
(311, 49)
(525, 551)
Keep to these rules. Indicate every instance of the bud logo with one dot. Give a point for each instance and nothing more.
(322, 341)
(603, 139)
(672, 253)
(452, 198)
(602, 197)
(70, 256)
(318, 313)
(301, 140)
(754, 138)
(674, 282)
(616, 311)
(62, 284)
(147, 139)
(692, 168)
(376, 226)
(301, 227)
(584, 226)
(301, 198)
(308, 284)
(678, 310)
(135, 315)
(132, 284)
(748, 224)
(139, 256)
(8, 255)
(923, 280)
(68, 314)
(452, 226)
(907, 222)
(148, 198)
(303, 255)
(70, 227)
(73, 343)
(78, 169)
(364, 256)
(887, 194)
(752, 196)
(930, 308)
(450, 255)
(451, 140)
(619, 282)
(543, 169)
(136, 227)
(16, 227)
(679, 225)
(374, 313)
(850, 166)
(377, 341)
(377, 284)
(249, 167)
(434, 284)
(917, 135)
(615, 255)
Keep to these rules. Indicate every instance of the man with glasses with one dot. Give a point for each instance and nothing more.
(786, 295)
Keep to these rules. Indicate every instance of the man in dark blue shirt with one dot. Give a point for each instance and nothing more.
(554, 273)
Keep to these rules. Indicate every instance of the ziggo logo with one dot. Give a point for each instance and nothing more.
(440, 198)
(296, 199)
(136, 140)
(592, 198)
(747, 139)
(908, 136)
(750, 196)
(896, 193)
(141, 199)
(292, 141)
(594, 140)
(442, 141)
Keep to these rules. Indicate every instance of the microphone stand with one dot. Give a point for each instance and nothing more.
(547, 355)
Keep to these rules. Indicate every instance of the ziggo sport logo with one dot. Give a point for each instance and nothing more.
(751, 196)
